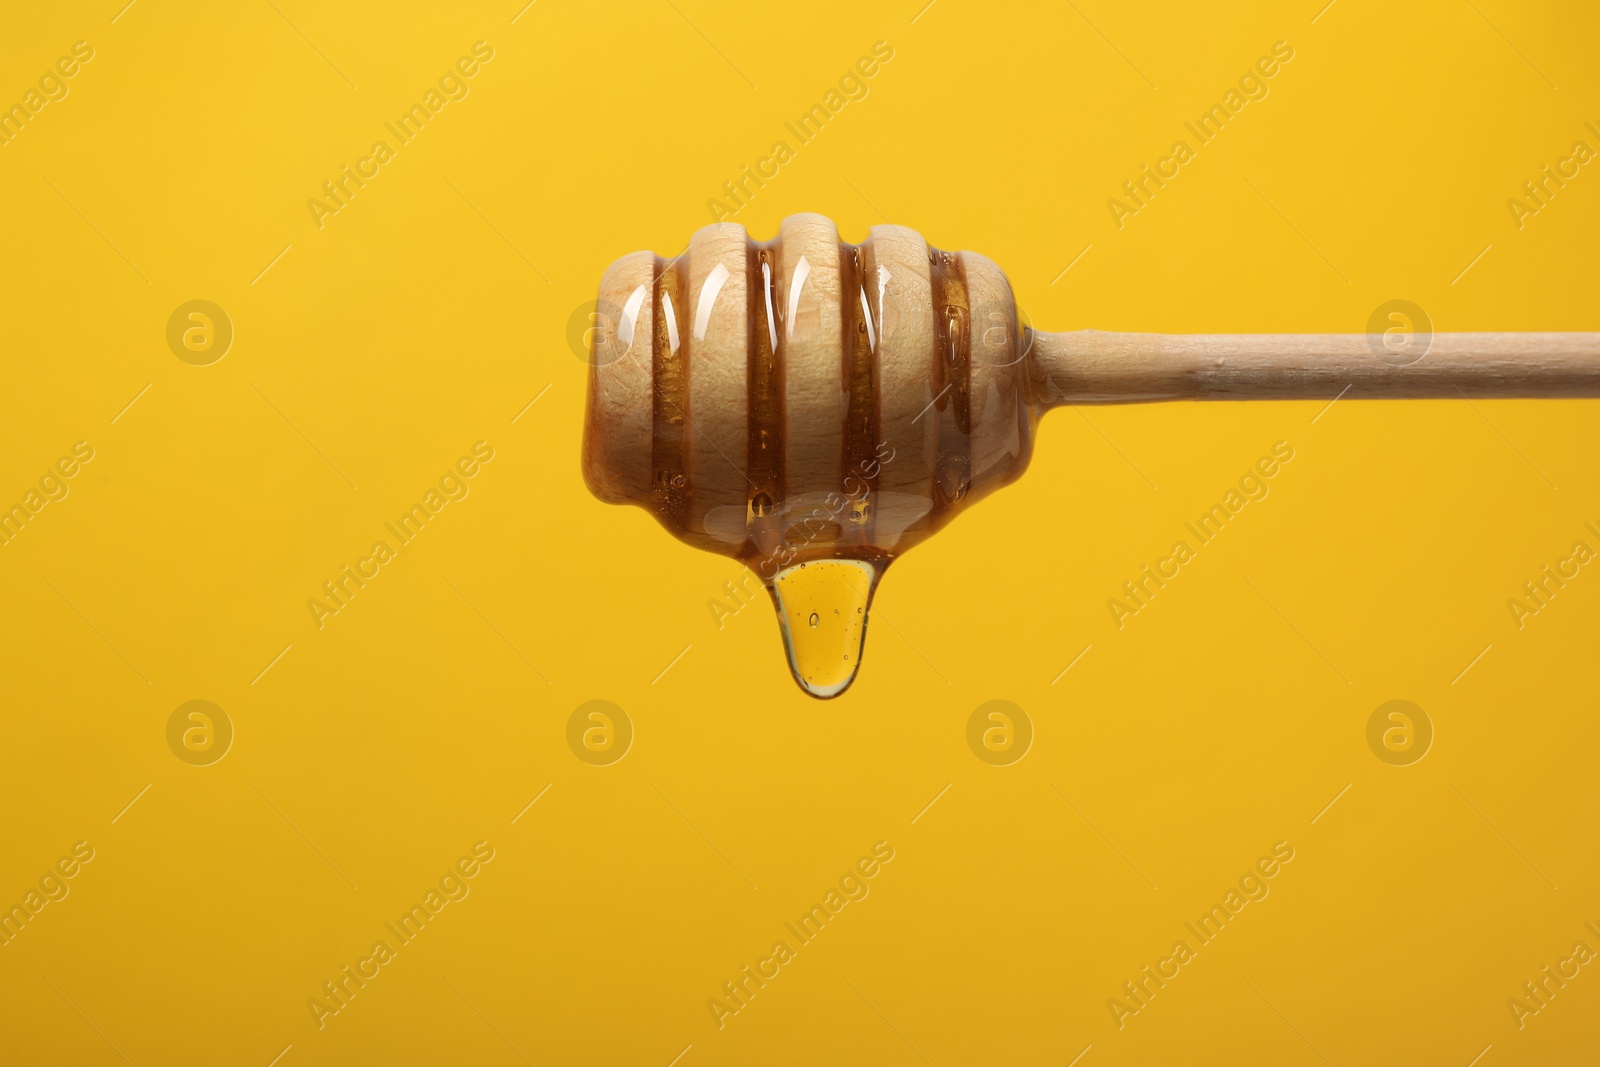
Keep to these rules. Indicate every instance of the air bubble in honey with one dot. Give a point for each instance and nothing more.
(824, 641)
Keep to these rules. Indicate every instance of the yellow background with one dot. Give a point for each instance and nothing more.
(428, 313)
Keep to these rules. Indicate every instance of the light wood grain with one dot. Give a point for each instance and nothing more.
(716, 426)
(809, 306)
(1092, 367)
(902, 304)
(617, 429)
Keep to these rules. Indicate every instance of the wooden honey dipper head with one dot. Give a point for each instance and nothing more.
(741, 387)
(814, 408)
(806, 401)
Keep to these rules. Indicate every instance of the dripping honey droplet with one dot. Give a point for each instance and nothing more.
(823, 607)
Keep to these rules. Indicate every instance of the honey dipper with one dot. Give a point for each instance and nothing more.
(814, 408)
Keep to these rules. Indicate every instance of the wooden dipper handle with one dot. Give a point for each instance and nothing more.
(1091, 367)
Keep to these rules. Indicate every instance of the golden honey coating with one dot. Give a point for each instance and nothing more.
(805, 398)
